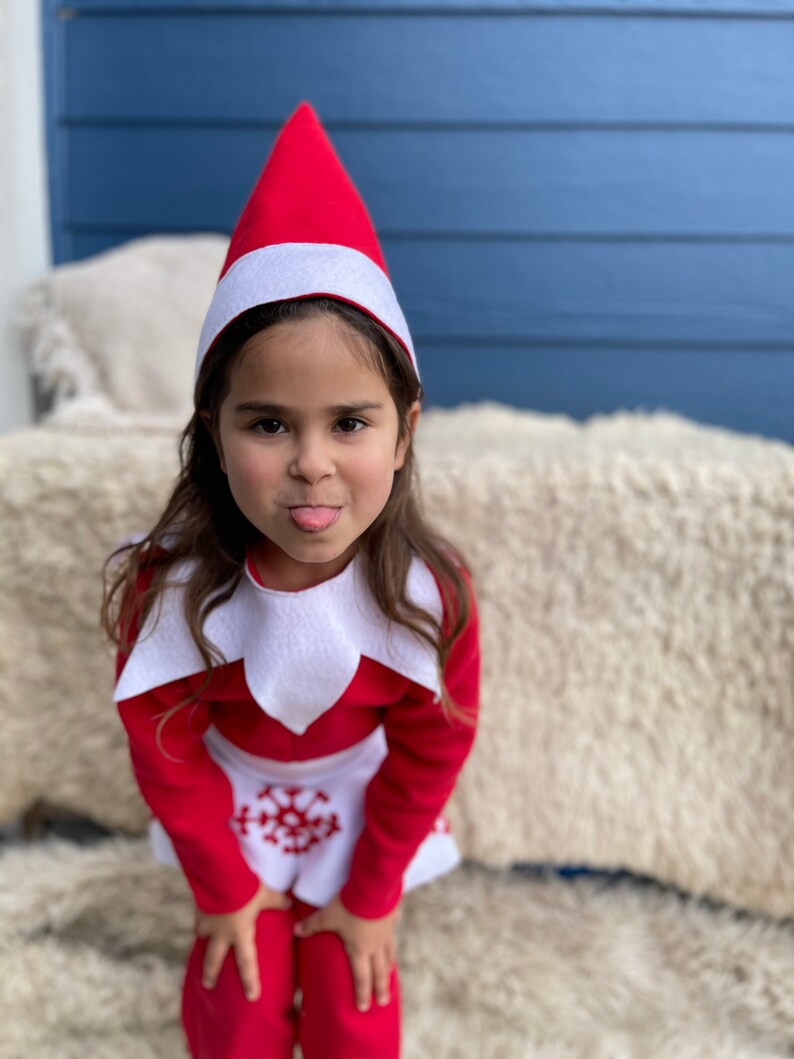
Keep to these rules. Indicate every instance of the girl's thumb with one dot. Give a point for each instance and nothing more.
(274, 901)
(307, 926)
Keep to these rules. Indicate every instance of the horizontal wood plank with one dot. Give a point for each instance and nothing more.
(396, 70)
(746, 390)
(511, 184)
(626, 8)
(638, 295)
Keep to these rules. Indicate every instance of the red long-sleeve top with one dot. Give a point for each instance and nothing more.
(192, 798)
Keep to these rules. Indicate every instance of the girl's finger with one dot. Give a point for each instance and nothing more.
(381, 975)
(248, 966)
(362, 981)
(216, 952)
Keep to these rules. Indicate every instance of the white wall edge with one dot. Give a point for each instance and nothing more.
(24, 212)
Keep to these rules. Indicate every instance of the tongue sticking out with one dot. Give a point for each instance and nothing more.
(314, 518)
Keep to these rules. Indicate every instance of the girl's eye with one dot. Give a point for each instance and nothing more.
(350, 425)
(268, 426)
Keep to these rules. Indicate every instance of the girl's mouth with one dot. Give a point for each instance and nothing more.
(313, 519)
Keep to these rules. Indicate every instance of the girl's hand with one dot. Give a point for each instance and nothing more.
(370, 946)
(236, 930)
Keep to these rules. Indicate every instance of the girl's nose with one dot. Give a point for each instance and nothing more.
(311, 459)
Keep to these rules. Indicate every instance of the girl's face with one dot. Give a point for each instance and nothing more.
(308, 436)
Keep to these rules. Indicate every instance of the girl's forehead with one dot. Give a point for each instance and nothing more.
(301, 355)
(318, 329)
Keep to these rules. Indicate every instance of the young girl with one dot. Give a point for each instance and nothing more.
(298, 664)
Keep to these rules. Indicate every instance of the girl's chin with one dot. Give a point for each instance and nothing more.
(295, 567)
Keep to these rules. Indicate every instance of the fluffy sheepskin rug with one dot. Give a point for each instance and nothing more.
(495, 965)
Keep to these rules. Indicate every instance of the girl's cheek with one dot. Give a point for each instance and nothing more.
(253, 459)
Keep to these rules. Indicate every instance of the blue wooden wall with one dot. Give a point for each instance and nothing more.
(583, 207)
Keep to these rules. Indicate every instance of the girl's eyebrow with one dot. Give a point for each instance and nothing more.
(336, 411)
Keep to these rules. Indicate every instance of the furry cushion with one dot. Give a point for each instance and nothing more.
(636, 582)
(493, 965)
(114, 336)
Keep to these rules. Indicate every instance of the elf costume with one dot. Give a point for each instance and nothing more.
(318, 758)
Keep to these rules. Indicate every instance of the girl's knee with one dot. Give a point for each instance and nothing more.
(330, 1026)
(221, 1023)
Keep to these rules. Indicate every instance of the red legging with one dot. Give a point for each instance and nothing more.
(221, 1024)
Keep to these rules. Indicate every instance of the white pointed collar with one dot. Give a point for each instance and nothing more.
(300, 650)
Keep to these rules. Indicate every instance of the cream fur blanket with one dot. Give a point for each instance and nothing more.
(493, 966)
(636, 584)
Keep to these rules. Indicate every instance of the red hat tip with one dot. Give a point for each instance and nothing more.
(304, 110)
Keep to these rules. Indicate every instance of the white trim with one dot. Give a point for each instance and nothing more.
(296, 270)
(24, 214)
(294, 674)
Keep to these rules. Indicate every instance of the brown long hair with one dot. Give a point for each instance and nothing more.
(201, 521)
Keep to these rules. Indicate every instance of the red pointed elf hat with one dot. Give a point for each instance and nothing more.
(304, 231)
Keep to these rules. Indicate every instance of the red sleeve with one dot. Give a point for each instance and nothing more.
(426, 751)
(187, 792)
(189, 795)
